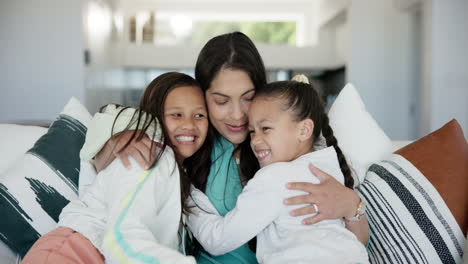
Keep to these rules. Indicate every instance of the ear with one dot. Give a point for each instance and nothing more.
(306, 129)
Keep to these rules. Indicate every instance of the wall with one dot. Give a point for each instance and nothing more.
(446, 71)
(41, 53)
(379, 63)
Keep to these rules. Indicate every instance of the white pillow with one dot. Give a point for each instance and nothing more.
(15, 140)
(359, 136)
(35, 188)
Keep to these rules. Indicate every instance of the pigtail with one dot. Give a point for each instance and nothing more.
(327, 132)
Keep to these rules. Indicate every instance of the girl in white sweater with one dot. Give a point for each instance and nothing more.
(135, 215)
(285, 118)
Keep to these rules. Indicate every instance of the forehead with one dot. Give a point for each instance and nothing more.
(231, 82)
(266, 106)
(185, 95)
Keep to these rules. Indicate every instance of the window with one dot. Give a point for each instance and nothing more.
(174, 29)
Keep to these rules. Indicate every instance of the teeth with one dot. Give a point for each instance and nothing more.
(262, 154)
(185, 138)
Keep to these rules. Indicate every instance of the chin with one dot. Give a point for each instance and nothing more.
(236, 139)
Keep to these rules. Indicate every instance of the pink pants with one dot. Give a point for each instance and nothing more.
(63, 245)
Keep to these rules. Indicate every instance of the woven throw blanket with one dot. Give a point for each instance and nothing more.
(408, 220)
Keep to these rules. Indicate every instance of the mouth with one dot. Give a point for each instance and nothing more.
(236, 129)
(262, 154)
(186, 139)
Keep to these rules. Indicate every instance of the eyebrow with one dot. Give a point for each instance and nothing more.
(223, 95)
(262, 121)
(179, 108)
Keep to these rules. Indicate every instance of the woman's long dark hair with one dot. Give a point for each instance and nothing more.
(237, 52)
(304, 101)
(152, 103)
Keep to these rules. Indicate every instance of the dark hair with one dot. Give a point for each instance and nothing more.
(152, 103)
(237, 52)
(304, 101)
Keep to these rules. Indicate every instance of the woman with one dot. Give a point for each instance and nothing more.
(229, 68)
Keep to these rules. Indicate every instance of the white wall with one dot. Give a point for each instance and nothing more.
(41, 53)
(445, 57)
(379, 62)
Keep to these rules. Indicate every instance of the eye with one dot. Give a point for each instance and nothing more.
(251, 132)
(220, 102)
(199, 116)
(249, 99)
(265, 129)
(175, 115)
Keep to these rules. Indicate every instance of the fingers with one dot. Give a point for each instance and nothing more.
(303, 211)
(301, 199)
(302, 186)
(146, 140)
(314, 219)
(124, 158)
(140, 156)
(139, 150)
(322, 176)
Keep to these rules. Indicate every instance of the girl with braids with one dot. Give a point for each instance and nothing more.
(134, 216)
(285, 118)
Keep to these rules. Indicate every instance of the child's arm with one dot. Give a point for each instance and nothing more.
(144, 221)
(257, 206)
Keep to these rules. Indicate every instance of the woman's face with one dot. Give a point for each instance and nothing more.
(228, 100)
(185, 119)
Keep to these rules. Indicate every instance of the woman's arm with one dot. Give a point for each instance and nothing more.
(138, 150)
(109, 133)
(333, 199)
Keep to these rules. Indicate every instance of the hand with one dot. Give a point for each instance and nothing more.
(139, 150)
(333, 199)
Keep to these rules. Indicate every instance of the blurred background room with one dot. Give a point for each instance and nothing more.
(407, 58)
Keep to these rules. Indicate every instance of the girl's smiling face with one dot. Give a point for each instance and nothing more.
(228, 100)
(186, 121)
(274, 134)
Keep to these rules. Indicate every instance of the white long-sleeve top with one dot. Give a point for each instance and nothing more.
(131, 215)
(281, 238)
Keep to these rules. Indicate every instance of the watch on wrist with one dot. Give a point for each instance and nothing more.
(361, 210)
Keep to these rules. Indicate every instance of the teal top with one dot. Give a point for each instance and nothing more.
(222, 188)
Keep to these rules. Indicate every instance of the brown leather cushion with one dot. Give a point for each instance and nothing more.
(442, 156)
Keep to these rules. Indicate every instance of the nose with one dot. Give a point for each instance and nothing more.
(237, 112)
(188, 124)
(255, 139)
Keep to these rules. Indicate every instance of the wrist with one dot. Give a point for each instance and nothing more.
(355, 201)
(359, 212)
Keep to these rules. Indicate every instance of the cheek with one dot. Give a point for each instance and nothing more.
(246, 106)
(251, 144)
(170, 126)
(203, 127)
(216, 112)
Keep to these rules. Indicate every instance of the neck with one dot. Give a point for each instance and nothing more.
(304, 149)
(179, 159)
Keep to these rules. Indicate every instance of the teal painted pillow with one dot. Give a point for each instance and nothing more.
(39, 184)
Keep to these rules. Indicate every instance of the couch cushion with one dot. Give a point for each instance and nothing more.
(359, 136)
(39, 184)
(409, 221)
(15, 140)
(442, 156)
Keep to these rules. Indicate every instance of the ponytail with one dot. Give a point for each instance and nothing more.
(327, 132)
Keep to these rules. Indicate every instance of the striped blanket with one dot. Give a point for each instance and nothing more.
(408, 220)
